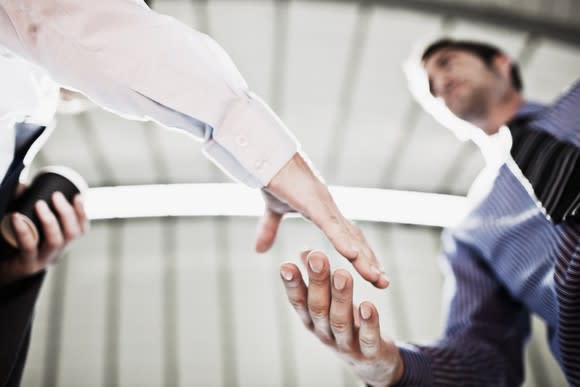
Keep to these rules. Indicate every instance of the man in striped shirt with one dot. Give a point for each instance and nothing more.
(517, 252)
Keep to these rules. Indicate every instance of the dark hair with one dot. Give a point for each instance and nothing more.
(484, 51)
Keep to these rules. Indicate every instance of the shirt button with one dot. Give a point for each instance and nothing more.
(261, 164)
(241, 141)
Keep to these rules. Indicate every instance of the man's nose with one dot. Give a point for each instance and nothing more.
(447, 84)
(438, 86)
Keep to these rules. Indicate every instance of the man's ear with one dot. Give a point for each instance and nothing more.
(503, 64)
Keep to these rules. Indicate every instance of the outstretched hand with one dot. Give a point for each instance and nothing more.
(297, 189)
(326, 308)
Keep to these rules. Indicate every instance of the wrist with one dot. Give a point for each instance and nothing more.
(388, 371)
(399, 369)
(296, 183)
(414, 366)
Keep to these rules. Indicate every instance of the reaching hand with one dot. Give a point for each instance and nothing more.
(296, 188)
(60, 229)
(326, 308)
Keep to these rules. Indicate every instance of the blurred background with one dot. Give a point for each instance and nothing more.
(184, 301)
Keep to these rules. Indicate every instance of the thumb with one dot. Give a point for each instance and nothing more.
(267, 230)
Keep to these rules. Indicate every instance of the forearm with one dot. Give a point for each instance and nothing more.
(143, 65)
(456, 363)
(16, 302)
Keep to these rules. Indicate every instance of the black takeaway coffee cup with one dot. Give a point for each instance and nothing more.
(47, 181)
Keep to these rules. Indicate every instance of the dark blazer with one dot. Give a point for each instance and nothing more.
(17, 300)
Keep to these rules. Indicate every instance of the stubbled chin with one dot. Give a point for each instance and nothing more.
(491, 132)
(458, 109)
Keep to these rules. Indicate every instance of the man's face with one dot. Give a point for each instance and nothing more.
(465, 83)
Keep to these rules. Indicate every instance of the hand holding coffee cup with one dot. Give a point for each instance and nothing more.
(48, 181)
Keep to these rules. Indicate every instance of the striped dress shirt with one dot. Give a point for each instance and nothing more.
(511, 257)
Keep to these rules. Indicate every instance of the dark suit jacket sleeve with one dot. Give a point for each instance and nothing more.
(16, 311)
(485, 332)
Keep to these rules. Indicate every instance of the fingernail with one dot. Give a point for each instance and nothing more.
(79, 199)
(365, 311)
(375, 270)
(286, 274)
(384, 277)
(59, 196)
(339, 282)
(42, 206)
(315, 264)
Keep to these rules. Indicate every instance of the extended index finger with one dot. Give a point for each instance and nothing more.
(296, 291)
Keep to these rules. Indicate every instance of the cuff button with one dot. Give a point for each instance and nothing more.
(261, 164)
(241, 141)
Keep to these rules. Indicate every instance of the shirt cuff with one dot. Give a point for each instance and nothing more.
(417, 367)
(253, 134)
(229, 165)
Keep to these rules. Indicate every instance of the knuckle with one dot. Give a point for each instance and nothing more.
(49, 221)
(323, 336)
(28, 254)
(348, 359)
(315, 284)
(318, 311)
(305, 317)
(334, 219)
(27, 248)
(343, 232)
(345, 348)
(54, 244)
(69, 235)
(30, 270)
(367, 340)
(298, 303)
(341, 299)
(357, 231)
(324, 339)
(334, 230)
(339, 326)
(320, 280)
(291, 288)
